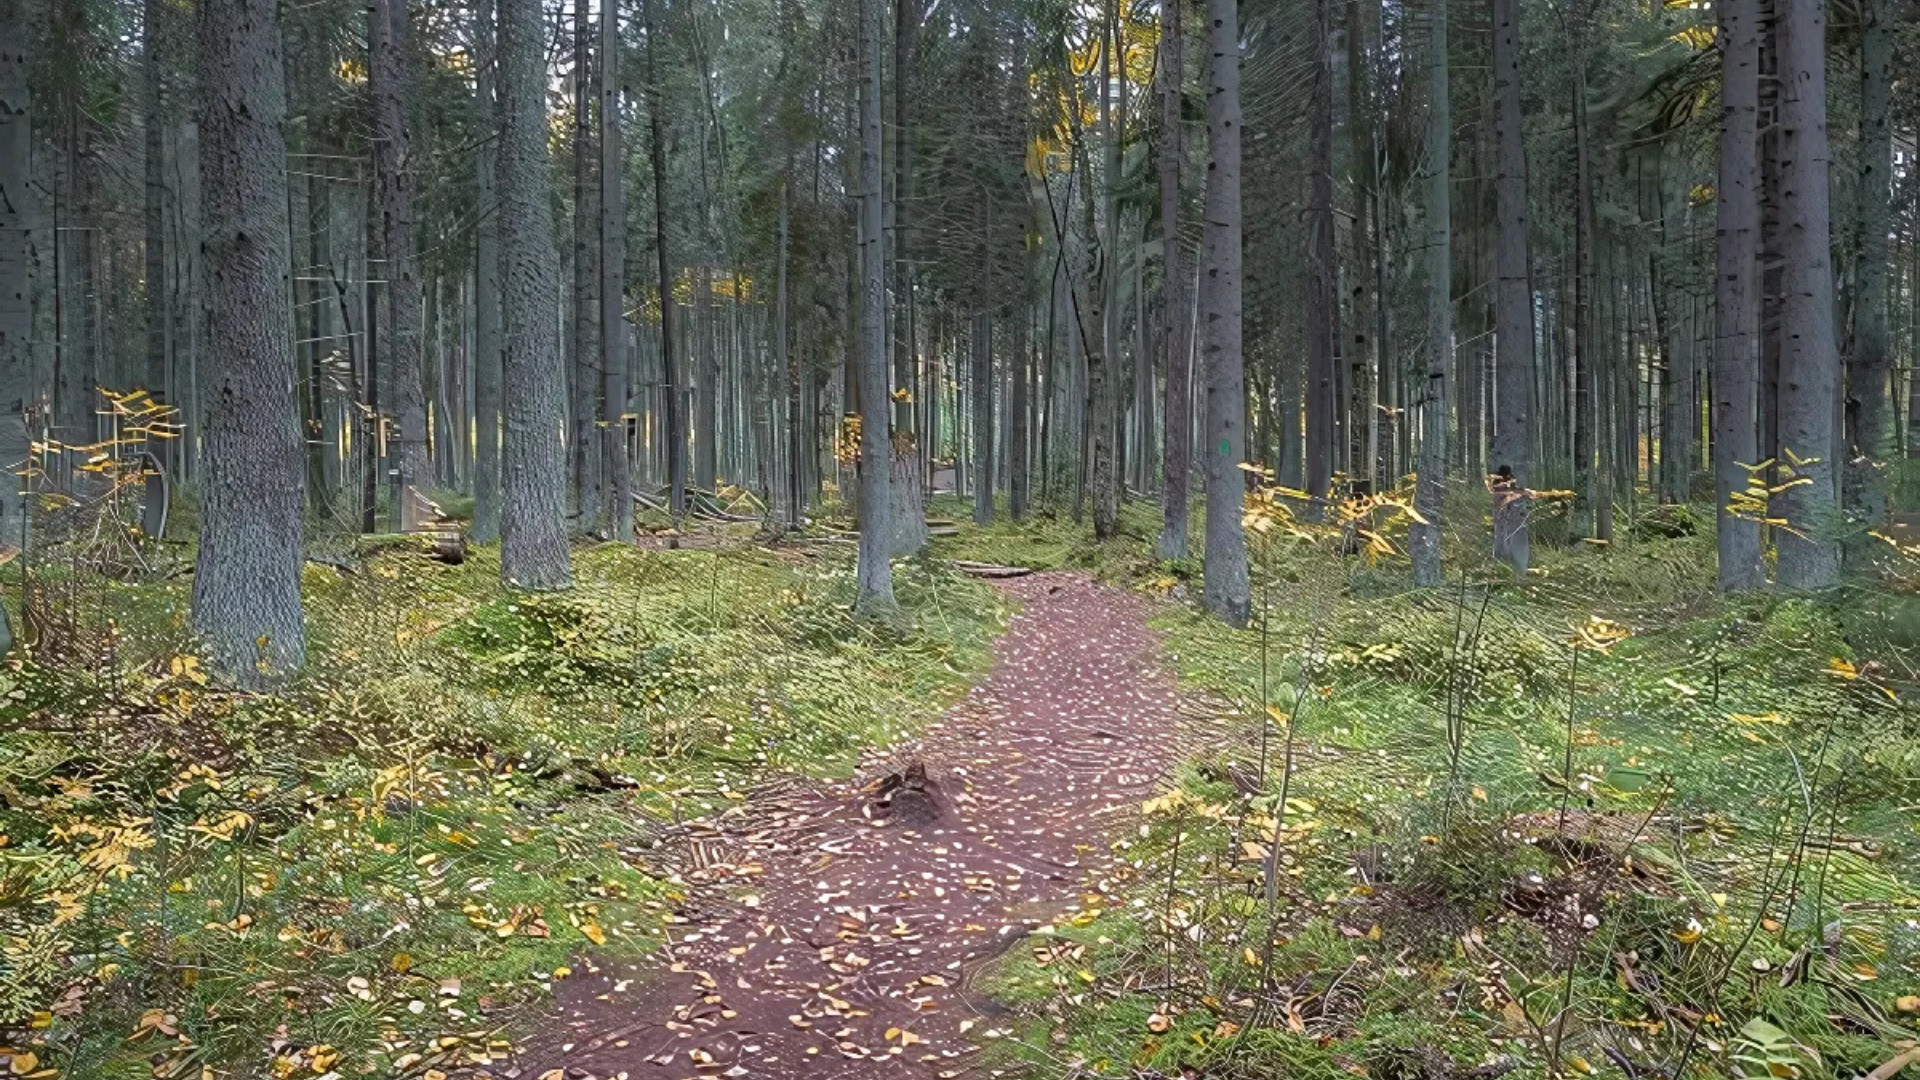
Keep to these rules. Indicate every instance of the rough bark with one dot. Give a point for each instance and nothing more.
(1582, 520)
(1736, 309)
(1430, 490)
(583, 375)
(1227, 591)
(1870, 368)
(617, 479)
(1809, 353)
(533, 522)
(487, 355)
(1512, 444)
(246, 585)
(18, 211)
(1177, 405)
(393, 201)
(1322, 316)
(874, 599)
(673, 426)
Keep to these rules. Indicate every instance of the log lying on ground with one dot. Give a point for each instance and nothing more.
(989, 570)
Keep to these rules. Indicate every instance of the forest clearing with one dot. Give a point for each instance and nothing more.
(949, 539)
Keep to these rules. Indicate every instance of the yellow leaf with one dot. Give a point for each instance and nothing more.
(24, 1062)
(1252, 958)
(402, 963)
(593, 933)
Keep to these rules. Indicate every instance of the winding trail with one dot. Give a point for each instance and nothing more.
(826, 937)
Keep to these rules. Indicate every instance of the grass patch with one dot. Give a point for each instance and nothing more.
(383, 867)
(1693, 844)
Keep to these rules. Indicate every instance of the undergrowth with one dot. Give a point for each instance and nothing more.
(381, 869)
(1598, 821)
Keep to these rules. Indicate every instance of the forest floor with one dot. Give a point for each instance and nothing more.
(836, 931)
(690, 817)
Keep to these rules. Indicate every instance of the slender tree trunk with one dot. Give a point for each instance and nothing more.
(1735, 363)
(1430, 490)
(1512, 448)
(246, 585)
(1177, 405)
(19, 207)
(1809, 356)
(393, 197)
(906, 16)
(1227, 590)
(583, 378)
(614, 357)
(983, 425)
(1019, 429)
(486, 293)
(875, 572)
(533, 520)
(1870, 374)
(1322, 318)
(673, 427)
(1585, 412)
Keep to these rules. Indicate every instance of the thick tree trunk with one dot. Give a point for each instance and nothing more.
(393, 198)
(1735, 362)
(246, 585)
(1175, 327)
(487, 344)
(875, 573)
(1870, 371)
(617, 479)
(1227, 591)
(1512, 447)
(1322, 317)
(1430, 490)
(533, 518)
(1809, 354)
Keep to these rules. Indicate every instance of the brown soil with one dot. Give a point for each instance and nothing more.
(834, 931)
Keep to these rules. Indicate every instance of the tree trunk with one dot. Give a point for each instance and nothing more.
(486, 295)
(393, 198)
(1809, 355)
(617, 479)
(673, 426)
(246, 585)
(1177, 405)
(18, 210)
(1019, 429)
(1585, 411)
(905, 17)
(1430, 490)
(1735, 309)
(875, 573)
(1512, 447)
(533, 520)
(1227, 591)
(1870, 372)
(583, 378)
(1322, 317)
(983, 425)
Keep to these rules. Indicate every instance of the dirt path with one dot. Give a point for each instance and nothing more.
(830, 938)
